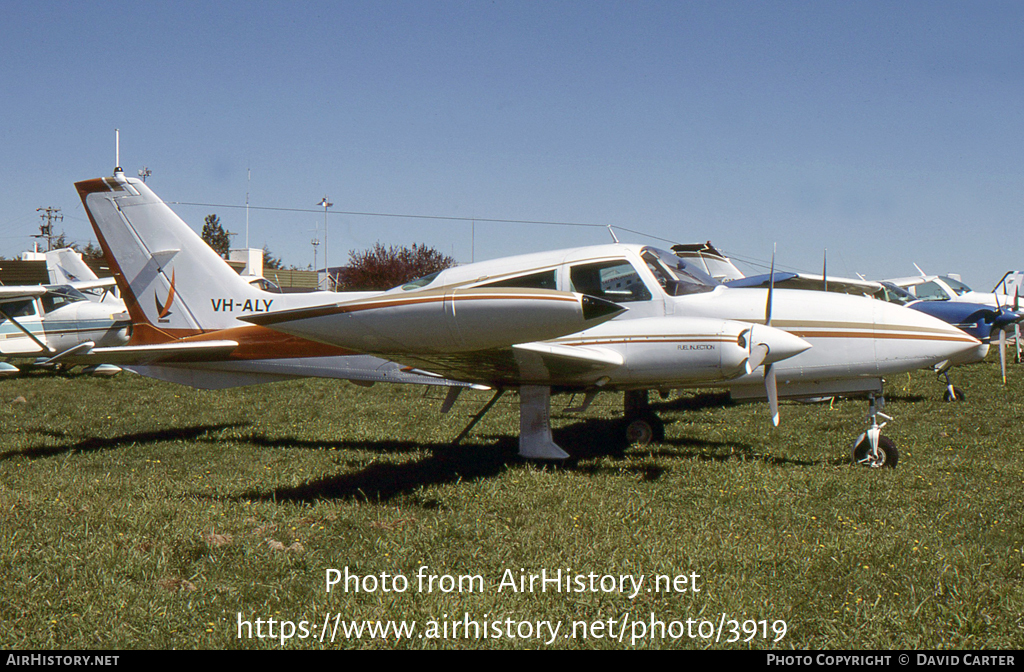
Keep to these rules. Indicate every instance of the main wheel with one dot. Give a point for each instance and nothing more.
(956, 395)
(887, 455)
(641, 431)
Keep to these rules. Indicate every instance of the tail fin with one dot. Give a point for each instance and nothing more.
(147, 244)
(65, 266)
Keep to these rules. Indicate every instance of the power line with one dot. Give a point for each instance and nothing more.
(447, 218)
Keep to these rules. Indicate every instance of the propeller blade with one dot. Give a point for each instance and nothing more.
(773, 393)
(771, 288)
(1016, 338)
(1002, 353)
(756, 358)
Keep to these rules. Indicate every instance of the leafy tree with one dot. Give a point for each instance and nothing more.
(270, 261)
(215, 235)
(382, 267)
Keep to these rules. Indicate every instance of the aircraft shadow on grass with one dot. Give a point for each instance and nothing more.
(589, 439)
(89, 444)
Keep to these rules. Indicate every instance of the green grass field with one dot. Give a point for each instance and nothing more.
(138, 514)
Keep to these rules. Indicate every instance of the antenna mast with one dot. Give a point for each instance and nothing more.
(117, 152)
(248, 181)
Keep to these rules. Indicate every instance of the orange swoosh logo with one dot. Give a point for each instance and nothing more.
(165, 309)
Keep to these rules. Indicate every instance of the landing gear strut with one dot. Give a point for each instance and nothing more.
(642, 424)
(952, 393)
(871, 449)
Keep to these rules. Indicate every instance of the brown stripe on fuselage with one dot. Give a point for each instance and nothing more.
(323, 311)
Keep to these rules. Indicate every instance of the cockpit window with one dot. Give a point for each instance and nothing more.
(676, 275)
(614, 280)
(929, 291)
(894, 294)
(543, 280)
(61, 296)
(420, 283)
(957, 286)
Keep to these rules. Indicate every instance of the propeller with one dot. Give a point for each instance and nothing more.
(1016, 325)
(1002, 353)
(769, 370)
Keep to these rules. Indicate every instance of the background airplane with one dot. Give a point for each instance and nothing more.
(46, 324)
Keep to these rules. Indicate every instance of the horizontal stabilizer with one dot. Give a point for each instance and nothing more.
(189, 351)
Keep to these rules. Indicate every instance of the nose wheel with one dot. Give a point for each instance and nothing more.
(952, 393)
(871, 449)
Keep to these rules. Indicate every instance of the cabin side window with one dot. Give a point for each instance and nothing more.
(16, 309)
(543, 280)
(614, 281)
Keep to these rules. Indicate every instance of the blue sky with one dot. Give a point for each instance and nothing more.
(887, 132)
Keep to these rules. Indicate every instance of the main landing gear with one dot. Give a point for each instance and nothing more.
(871, 449)
(642, 424)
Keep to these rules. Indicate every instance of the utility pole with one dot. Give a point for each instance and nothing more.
(49, 216)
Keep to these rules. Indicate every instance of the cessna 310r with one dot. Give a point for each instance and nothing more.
(681, 329)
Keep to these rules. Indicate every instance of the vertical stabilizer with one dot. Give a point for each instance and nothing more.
(172, 282)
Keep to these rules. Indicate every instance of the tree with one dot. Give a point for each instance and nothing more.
(215, 236)
(92, 252)
(382, 267)
(270, 261)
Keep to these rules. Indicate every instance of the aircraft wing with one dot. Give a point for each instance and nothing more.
(14, 293)
(525, 363)
(811, 281)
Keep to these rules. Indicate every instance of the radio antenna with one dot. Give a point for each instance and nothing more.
(117, 152)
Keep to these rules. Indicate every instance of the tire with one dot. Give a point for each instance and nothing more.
(888, 458)
(958, 395)
(639, 433)
(642, 431)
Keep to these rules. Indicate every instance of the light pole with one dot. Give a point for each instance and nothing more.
(327, 266)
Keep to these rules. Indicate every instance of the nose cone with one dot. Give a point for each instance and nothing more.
(781, 344)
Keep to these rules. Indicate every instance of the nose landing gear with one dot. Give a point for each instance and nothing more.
(871, 449)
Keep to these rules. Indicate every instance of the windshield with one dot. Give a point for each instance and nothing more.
(957, 286)
(419, 282)
(894, 294)
(61, 296)
(677, 276)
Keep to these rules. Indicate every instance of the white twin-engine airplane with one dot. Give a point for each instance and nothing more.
(191, 312)
(533, 322)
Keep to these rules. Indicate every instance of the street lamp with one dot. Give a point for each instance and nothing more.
(327, 266)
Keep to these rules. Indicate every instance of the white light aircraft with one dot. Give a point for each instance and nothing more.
(48, 324)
